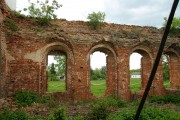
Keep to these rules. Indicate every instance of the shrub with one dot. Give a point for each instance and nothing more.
(151, 113)
(101, 108)
(26, 98)
(16, 115)
(175, 99)
(96, 19)
(18, 14)
(10, 23)
(43, 12)
(58, 114)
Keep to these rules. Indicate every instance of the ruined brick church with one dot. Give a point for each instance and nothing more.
(23, 56)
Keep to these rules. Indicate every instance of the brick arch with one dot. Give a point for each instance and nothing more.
(111, 61)
(174, 67)
(146, 63)
(57, 46)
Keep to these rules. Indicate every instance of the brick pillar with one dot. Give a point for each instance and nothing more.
(81, 73)
(157, 86)
(146, 67)
(174, 71)
(123, 73)
(111, 81)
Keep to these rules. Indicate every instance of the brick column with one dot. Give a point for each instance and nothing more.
(174, 71)
(111, 80)
(123, 73)
(81, 73)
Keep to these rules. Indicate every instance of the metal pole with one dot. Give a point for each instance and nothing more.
(158, 57)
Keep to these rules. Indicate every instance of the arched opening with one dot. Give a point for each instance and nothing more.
(135, 72)
(173, 69)
(142, 62)
(98, 73)
(56, 71)
(165, 67)
(109, 56)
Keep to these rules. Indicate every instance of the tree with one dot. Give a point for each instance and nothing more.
(98, 73)
(52, 69)
(96, 19)
(61, 64)
(43, 11)
(52, 73)
(175, 26)
(165, 67)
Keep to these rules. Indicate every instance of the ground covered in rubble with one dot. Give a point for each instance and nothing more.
(27, 105)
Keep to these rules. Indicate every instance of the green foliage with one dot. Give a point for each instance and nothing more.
(16, 115)
(18, 14)
(78, 117)
(96, 19)
(101, 108)
(165, 67)
(58, 114)
(135, 70)
(151, 113)
(43, 11)
(61, 64)
(10, 23)
(26, 98)
(98, 73)
(175, 99)
(175, 26)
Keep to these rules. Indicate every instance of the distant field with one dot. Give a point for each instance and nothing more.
(56, 86)
(98, 87)
(166, 84)
(135, 84)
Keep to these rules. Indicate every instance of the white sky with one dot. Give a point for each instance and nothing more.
(130, 12)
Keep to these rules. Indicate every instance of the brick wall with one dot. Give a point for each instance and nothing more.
(24, 57)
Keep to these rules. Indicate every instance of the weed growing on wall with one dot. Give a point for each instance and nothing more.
(11, 24)
(96, 20)
(43, 11)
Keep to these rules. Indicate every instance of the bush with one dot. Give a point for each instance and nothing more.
(151, 113)
(175, 99)
(96, 19)
(10, 23)
(16, 115)
(101, 108)
(58, 114)
(26, 98)
(43, 12)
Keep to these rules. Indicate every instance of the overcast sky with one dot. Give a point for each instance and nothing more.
(130, 12)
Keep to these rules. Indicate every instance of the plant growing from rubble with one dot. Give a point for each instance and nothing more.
(96, 20)
(43, 11)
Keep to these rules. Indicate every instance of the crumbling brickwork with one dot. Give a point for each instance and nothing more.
(24, 57)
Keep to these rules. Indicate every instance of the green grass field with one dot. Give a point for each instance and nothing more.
(135, 84)
(98, 87)
(56, 86)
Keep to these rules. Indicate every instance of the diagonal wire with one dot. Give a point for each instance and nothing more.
(158, 57)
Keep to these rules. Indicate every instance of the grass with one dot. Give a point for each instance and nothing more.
(135, 84)
(56, 86)
(166, 84)
(98, 87)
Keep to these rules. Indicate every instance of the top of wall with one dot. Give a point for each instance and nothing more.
(79, 32)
